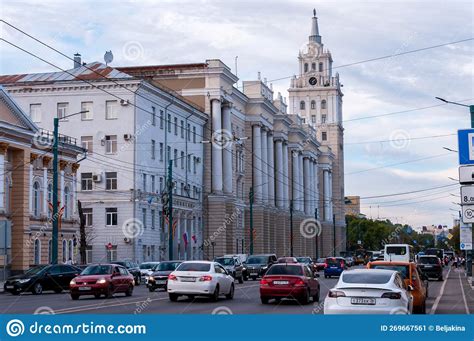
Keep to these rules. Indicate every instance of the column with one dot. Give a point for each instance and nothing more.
(264, 166)
(279, 174)
(331, 203)
(271, 170)
(227, 151)
(257, 162)
(3, 151)
(286, 180)
(316, 188)
(307, 186)
(311, 188)
(216, 149)
(327, 213)
(301, 184)
(295, 178)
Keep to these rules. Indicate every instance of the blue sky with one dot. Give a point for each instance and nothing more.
(266, 37)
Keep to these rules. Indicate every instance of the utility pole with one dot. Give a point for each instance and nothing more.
(291, 228)
(54, 240)
(251, 219)
(170, 209)
(316, 237)
(334, 234)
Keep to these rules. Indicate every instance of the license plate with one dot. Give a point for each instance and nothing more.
(428, 266)
(163, 282)
(9, 286)
(187, 279)
(84, 288)
(254, 272)
(363, 301)
(280, 282)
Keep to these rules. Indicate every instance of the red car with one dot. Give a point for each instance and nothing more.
(295, 281)
(102, 279)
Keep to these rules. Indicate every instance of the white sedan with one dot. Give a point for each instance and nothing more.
(200, 278)
(369, 291)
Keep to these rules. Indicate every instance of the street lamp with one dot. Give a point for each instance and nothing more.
(54, 241)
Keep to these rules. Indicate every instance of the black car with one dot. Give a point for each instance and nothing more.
(257, 265)
(431, 266)
(133, 268)
(159, 278)
(42, 278)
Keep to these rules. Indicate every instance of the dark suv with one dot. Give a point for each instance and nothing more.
(159, 277)
(431, 266)
(257, 265)
(233, 266)
(133, 268)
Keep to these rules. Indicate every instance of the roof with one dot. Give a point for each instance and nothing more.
(89, 72)
(12, 114)
(163, 67)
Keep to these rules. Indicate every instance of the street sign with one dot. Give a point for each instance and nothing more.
(468, 214)
(467, 195)
(466, 146)
(465, 237)
(466, 174)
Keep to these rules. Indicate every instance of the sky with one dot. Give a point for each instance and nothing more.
(266, 36)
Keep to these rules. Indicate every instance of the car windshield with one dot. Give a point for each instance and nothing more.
(402, 269)
(303, 259)
(120, 263)
(321, 260)
(257, 260)
(202, 267)
(366, 278)
(396, 250)
(146, 266)
(225, 261)
(35, 270)
(167, 266)
(97, 270)
(285, 269)
(333, 261)
(428, 260)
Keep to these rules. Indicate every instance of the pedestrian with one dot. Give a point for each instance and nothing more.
(455, 262)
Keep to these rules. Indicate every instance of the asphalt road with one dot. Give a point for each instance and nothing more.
(246, 301)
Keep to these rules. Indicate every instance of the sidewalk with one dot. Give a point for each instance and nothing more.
(458, 296)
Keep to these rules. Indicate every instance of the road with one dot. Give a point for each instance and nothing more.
(246, 301)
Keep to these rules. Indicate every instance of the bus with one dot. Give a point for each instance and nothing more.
(399, 253)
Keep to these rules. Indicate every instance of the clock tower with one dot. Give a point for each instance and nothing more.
(316, 96)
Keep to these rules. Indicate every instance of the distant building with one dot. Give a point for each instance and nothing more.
(352, 205)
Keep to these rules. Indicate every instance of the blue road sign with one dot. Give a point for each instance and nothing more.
(466, 146)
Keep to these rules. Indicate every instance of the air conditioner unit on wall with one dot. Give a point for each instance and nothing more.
(124, 102)
(97, 177)
(127, 137)
(127, 240)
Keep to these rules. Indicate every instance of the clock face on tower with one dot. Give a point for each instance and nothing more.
(313, 81)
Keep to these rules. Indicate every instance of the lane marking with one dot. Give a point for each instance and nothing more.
(441, 292)
(463, 295)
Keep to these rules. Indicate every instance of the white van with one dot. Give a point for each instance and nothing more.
(398, 253)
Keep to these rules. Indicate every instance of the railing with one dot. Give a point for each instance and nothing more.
(47, 135)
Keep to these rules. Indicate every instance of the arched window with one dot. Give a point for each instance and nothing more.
(313, 66)
(323, 104)
(70, 249)
(37, 251)
(305, 67)
(50, 251)
(36, 199)
(321, 67)
(313, 104)
(302, 105)
(64, 250)
(67, 202)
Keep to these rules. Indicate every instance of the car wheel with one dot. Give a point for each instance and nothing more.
(97, 295)
(241, 279)
(15, 293)
(230, 295)
(191, 297)
(215, 295)
(440, 278)
(138, 280)
(129, 291)
(37, 289)
(58, 290)
(305, 299)
(110, 292)
(264, 300)
(316, 297)
(173, 297)
(254, 278)
(325, 276)
(151, 289)
(74, 297)
(246, 278)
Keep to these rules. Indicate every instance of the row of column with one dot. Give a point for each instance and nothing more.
(328, 204)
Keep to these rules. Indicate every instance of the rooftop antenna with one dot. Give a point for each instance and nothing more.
(108, 57)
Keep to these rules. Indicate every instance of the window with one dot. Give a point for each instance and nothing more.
(321, 67)
(64, 251)
(88, 216)
(313, 66)
(111, 144)
(153, 145)
(89, 254)
(50, 197)
(305, 67)
(67, 202)
(111, 216)
(144, 217)
(188, 132)
(153, 116)
(36, 199)
(144, 182)
(111, 254)
(182, 160)
(50, 251)
(87, 143)
(189, 163)
(37, 251)
(323, 118)
(110, 180)
(161, 184)
(194, 164)
(169, 123)
(153, 186)
(161, 151)
(194, 134)
(35, 112)
(182, 129)
(111, 109)
(70, 250)
(313, 104)
(87, 106)
(324, 136)
(62, 109)
(175, 157)
(176, 126)
(168, 152)
(313, 118)
(162, 119)
(323, 104)
(302, 105)
(182, 189)
(86, 181)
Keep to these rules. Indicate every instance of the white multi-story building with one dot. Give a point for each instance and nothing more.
(131, 130)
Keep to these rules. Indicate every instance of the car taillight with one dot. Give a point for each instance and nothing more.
(264, 282)
(392, 295)
(172, 278)
(325, 265)
(336, 293)
(342, 264)
(299, 283)
(205, 278)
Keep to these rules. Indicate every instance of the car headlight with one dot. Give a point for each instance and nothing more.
(151, 278)
(101, 281)
(264, 267)
(73, 282)
(21, 281)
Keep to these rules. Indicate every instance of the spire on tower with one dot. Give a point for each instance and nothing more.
(314, 36)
